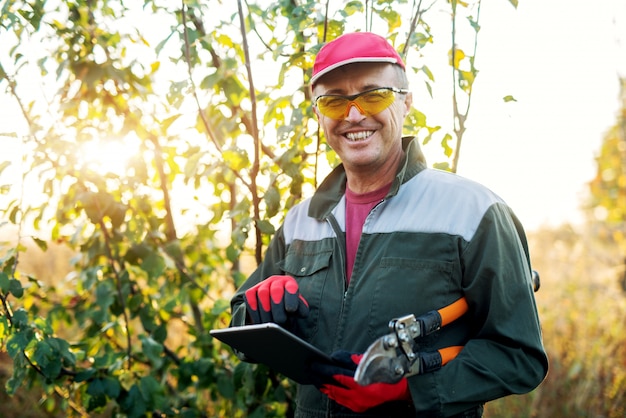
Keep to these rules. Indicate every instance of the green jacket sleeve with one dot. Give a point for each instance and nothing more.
(505, 353)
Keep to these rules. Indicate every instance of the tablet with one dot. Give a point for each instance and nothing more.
(274, 346)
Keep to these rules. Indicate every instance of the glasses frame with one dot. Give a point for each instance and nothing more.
(351, 99)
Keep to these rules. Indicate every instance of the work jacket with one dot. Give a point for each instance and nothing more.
(434, 238)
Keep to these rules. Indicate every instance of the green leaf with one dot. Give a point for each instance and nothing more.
(509, 98)
(107, 359)
(84, 375)
(186, 371)
(107, 386)
(132, 403)
(105, 295)
(445, 166)
(266, 227)
(174, 250)
(153, 350)
(455, 61)
(62, 349)
(220, 306)
(225, 386)
(272, 200)
(154, 265)
(204, 369)
(43, 325)
(236, 159)
(41, 243)
(13, 214)
(20, 318)
(191, 165)
(5, 282)
(47, 360)
(232, 253)
(92, 207)
(152, 392)
(474, 24)
(147, 317)
(95, 387)
(165, 124)
(8, 260)
(514, 3)
(16, 289)
(51, 354)
(393, 18)
(428, 73)
(5, 328)
(134, 303)
(447, 149)
(351, 8)
(96, 402)
(112, 387)
(4, 164)
(18, 342)
(466, 80)
(117, 215)
(160, 333)
(20, 371)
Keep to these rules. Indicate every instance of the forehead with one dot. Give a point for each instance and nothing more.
(355, 78)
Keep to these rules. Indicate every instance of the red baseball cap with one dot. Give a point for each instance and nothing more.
(354, 47)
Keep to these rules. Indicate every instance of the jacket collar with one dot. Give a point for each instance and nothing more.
(332, 189)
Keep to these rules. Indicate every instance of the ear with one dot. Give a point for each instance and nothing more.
(312, 95)
(408, 102)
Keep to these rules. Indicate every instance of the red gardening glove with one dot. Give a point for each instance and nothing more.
(276, 299)
(337, 382)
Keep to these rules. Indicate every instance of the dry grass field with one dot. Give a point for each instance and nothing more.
(583, 310)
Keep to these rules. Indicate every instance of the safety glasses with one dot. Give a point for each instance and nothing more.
(369, 102)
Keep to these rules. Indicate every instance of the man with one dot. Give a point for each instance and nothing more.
(384, 236)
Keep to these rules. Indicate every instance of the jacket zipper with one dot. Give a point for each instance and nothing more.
(342, 249)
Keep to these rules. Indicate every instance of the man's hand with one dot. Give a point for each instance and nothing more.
(275, 299)
(337, 382)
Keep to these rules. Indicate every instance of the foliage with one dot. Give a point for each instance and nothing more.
(208, 121)
(608, 188)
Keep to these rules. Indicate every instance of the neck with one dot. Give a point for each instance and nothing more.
(365, 181)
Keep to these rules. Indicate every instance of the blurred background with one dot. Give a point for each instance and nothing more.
(120, 130)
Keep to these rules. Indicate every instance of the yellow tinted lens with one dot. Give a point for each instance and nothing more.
(369, 103)
(375, 101)
(333, 107)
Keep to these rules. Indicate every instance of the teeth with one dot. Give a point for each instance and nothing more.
(356, 136)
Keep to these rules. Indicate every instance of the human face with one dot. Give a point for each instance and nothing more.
(367, 144)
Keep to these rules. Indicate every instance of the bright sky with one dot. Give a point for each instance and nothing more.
(561, 60)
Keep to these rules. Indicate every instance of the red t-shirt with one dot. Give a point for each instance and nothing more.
(358, 206)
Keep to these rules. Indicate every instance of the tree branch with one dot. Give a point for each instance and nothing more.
(118, 284)
(460, 118)
(254, 172)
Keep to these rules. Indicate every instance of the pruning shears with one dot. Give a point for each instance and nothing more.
(396, 355)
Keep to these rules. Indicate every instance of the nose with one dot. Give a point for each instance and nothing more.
(354, 113)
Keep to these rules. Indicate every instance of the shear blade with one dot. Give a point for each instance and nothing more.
(379, 369)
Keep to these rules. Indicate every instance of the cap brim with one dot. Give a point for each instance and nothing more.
(336, 65)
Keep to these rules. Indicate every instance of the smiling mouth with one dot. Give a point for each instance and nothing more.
(358, 136)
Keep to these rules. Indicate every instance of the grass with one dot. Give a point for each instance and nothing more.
(583, 312)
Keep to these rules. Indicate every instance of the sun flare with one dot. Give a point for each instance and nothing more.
(109, 156)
